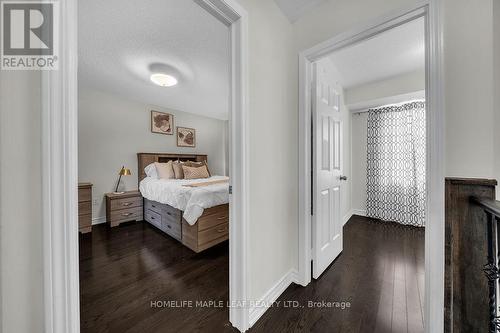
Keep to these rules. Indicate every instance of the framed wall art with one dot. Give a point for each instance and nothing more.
(186, 137)
(162, 123)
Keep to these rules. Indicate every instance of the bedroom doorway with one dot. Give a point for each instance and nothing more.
(157, 205)
(320, 243)
(123, 203)
(369, 176)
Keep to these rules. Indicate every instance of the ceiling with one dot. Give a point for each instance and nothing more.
(294, 9)
(177, 36)
(397, 51)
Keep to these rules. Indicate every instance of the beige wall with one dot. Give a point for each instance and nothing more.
(112, 129)
(20, 203)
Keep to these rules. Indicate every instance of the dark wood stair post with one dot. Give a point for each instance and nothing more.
(467, 301)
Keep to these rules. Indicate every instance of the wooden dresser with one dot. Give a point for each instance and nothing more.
(84, 207)
(123, 207)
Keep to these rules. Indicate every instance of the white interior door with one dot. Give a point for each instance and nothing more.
(327, 168)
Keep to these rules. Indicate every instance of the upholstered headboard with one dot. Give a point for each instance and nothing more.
(143, 159)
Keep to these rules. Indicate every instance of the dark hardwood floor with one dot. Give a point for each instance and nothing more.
(380, 273)
(122, 270)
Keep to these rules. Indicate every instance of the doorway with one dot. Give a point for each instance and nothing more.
(60, 158)
(434, 256)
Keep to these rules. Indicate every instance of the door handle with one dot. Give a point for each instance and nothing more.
(343, 177)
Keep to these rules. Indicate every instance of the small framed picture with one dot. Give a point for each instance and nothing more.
(162, 123)
(186, 137)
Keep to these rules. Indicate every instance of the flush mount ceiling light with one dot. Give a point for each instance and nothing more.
(163, 80)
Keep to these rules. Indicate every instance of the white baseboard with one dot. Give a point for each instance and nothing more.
(360, 212)
(98, 220)
(271, 296)
(346, 217)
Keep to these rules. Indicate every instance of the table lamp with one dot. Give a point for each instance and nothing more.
(123, 172)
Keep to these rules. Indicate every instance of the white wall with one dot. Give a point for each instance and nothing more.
(20, 203)
(359, 147)
(273, 146)
(112, 129)
(398, 85)
(469, 88)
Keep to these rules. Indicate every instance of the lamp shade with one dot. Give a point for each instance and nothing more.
(125, 172)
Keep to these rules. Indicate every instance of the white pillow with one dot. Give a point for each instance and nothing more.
(150, 171)
(165, 170)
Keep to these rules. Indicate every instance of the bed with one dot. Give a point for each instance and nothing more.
(194, 212)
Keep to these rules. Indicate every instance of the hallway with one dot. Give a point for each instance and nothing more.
(380, 273)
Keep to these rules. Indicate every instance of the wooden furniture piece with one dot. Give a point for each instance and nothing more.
(123, 207)
(164, 217)
(144, 159)
(466, 286)
(84, 207)
(212, 226)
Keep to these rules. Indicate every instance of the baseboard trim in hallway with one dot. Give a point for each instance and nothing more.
(261, 306)
(359, 212)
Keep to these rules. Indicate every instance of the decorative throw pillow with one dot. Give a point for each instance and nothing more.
(197, 165)
(150, 171)
(177, 166)
(165, 170)
(195, 172)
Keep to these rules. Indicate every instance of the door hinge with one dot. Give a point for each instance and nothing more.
(230, 189)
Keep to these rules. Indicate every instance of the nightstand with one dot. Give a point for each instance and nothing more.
(123, 207)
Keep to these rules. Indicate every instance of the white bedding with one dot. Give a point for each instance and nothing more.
(191, 200)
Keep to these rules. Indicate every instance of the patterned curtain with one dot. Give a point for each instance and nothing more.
(396, 164)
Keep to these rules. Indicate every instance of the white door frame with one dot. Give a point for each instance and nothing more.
(60, 171)
(434, 232)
